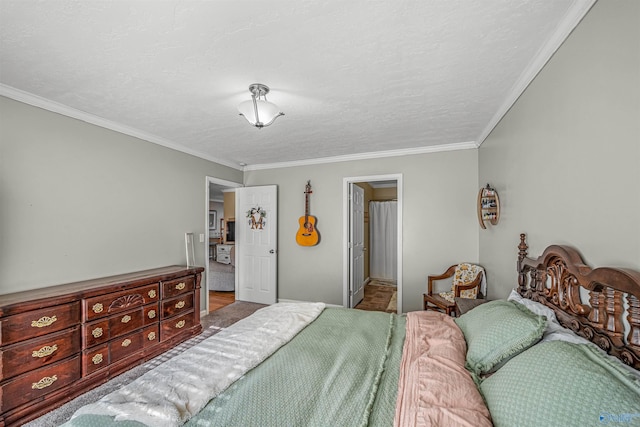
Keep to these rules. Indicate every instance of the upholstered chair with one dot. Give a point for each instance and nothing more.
(467, 281)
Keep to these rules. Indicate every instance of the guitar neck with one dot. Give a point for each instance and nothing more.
(306, 206)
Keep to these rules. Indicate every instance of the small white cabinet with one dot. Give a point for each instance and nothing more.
(223, 254)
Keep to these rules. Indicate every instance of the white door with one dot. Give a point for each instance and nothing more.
(256, 237)
(356, 244)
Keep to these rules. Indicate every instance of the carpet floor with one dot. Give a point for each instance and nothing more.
(212, 323)
(222, 277)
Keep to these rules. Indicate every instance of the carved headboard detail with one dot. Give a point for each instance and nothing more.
(596, 312)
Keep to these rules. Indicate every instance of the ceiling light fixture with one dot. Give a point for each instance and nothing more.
(259, 112)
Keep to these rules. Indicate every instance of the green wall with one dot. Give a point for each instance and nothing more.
(78, 201)
(565, 159)
(439, 218)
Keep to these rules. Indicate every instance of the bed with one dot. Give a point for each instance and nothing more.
(563, 349)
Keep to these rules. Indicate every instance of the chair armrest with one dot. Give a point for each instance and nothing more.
(476, 282)
(430, 279)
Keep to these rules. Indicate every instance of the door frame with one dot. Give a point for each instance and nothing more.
(228, 184)
(346, 225)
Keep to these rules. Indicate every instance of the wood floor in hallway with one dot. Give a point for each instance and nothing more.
(217, 299)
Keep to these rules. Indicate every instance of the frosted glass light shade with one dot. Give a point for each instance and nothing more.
(258, 111)
(267, 112)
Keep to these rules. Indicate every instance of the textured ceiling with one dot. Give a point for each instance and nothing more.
(353, 77)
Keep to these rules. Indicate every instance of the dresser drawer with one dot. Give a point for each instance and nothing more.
(223, 249)
(103, 330)
(95, 333)
(38, 383)
(177, 305)
(95, 359)
(151, 314)
(125, 322)
(178, 286)
(151, 336)
(108, 304)
(38, 352)
(38, 322)
(122, 347)
(174, 326)
(224, 258)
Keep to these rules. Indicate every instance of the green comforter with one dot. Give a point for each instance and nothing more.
(341, 370)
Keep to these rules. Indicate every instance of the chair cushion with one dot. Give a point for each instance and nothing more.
(497, 331)
(449, 296)
(464, 274)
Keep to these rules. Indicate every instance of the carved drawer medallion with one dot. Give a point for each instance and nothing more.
(38, 352)
(37, 323)
(39, 383)
(117, 302)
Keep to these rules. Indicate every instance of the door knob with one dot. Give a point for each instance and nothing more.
(272, 251)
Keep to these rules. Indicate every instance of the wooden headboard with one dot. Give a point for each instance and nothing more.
(591, 302)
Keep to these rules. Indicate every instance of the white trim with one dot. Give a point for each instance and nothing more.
(345, 231)
(363, 156)
(56, 107)
(573, 17)
(211, 180)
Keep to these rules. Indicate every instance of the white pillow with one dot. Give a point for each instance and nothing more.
(533, 306)
(556, 332)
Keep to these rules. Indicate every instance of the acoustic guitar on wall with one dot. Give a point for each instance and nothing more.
(307, 234)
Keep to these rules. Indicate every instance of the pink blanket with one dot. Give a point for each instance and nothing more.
(434, 388)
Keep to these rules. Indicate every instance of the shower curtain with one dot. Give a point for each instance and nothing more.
(383, 236)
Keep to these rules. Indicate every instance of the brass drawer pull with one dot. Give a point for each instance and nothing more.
(43, 321)
(44, 382)
(126, 319)
(152, 314)
(126, 342)
(180, 286)
(180, 324)
(97, 359)
(151, 336)
(180, 304)
(45, 351)
(97, 308)
(152, 293)
(97, 332)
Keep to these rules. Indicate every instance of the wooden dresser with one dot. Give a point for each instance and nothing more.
(59, 342)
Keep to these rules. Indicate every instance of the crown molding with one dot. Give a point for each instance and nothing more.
(55, 107)
(365, 156)
(572, 18)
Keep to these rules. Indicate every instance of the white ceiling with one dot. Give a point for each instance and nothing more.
(354, 78)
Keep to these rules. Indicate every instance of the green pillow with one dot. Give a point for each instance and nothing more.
(497, 331)
(559, 383)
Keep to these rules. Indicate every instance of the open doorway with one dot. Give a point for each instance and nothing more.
(372, 234)
(221, 243)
